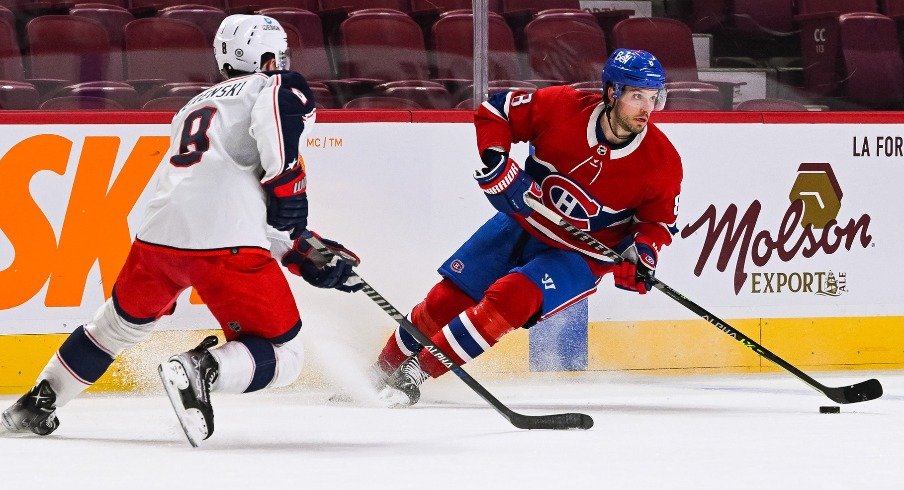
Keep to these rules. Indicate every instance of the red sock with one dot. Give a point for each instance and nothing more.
(444, 301)
(509, 303)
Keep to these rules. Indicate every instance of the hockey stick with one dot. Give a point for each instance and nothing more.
(859, 392)
(555, 422)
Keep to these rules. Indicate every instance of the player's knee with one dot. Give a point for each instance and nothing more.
(515, 297)
(114, 333)
(289, 362)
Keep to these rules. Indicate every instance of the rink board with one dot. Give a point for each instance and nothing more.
(395, 186)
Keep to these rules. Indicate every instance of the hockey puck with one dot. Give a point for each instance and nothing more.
(829, 409)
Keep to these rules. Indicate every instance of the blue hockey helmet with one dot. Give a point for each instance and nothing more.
(635, 68)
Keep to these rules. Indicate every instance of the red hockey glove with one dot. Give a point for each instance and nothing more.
(636, 273)
(324, 272)
(287, 201)
(505, 184)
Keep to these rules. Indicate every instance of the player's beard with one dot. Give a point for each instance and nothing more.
(625, 123)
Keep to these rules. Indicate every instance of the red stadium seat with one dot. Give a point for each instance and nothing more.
(169, 50)
(429, 95)
(305, 33)
(770, 105)
(672, 42)
(353, 5)
(707, 15)
(11, 68)
(453, 46)
(75, 49)
(207, 18)
(820, 42)
(689, 104)
(154, 5)
(382, 103)
(18, 96)
(120, 92)
(873, 66)
(256, 5)
(80, 103)
(567, 46)
(449, 5)
(383, 45)
(167, 104)
(538, 5)
(112, 17)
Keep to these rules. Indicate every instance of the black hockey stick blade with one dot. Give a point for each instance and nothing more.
(860, 392)
(561, 421)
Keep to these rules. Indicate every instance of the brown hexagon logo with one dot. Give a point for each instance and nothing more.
(817, 187)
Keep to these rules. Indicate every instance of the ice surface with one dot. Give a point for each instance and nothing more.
(662, 432)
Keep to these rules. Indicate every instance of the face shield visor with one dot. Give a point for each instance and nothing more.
(649, 98)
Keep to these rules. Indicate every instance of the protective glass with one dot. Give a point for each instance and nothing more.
(282, 60)
(652, 99)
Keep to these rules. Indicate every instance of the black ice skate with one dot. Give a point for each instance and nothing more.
(403, 387)
(376, 379)
(187, 378)
(35, 411)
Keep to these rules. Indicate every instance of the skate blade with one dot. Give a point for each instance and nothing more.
(390, 397)
(192, 421)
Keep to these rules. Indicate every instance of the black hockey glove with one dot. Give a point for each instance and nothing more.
(324, 272)
(287, 201)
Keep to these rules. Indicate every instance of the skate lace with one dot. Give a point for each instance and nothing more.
(412, 369)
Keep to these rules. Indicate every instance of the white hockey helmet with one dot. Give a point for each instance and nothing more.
(241, 40)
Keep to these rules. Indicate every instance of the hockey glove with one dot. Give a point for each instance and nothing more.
(287, 201)
(505, 184)
(636, 272)
(324, 272)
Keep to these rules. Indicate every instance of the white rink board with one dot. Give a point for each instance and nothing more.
(401, 195)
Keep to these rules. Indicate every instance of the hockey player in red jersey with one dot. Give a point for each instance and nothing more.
(232, 169)
(599, 163)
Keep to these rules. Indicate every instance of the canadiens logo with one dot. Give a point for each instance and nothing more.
(570, 200)
(457, 265)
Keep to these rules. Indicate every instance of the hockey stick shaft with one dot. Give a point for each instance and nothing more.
(555, 421)
(863, 391)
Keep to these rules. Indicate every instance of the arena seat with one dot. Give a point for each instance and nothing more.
(820, 54)
(207, 18)
(305, 35)
(450, 5)
(707, 15)
(11, 67)
(566, 46)
(873, 68)
(165, 104)
(112, 17)
(672, 42)
(120, 92)
(353, 5)
(76, 102)
(770, 105)
(248, 6)
(382, 44)
(18, 96)
(453, 47)
(144, 7)
(70, 48)
(535, 6)
(427, 94)
(689, 104)
(168, 50)
(373, 102)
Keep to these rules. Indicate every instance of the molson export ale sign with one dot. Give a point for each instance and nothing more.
(812, 224)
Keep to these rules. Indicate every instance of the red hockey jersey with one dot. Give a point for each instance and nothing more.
(610, 191)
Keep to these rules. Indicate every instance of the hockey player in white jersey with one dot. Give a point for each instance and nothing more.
(232, 196)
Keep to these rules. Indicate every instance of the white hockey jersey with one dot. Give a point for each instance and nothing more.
(224, 143)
